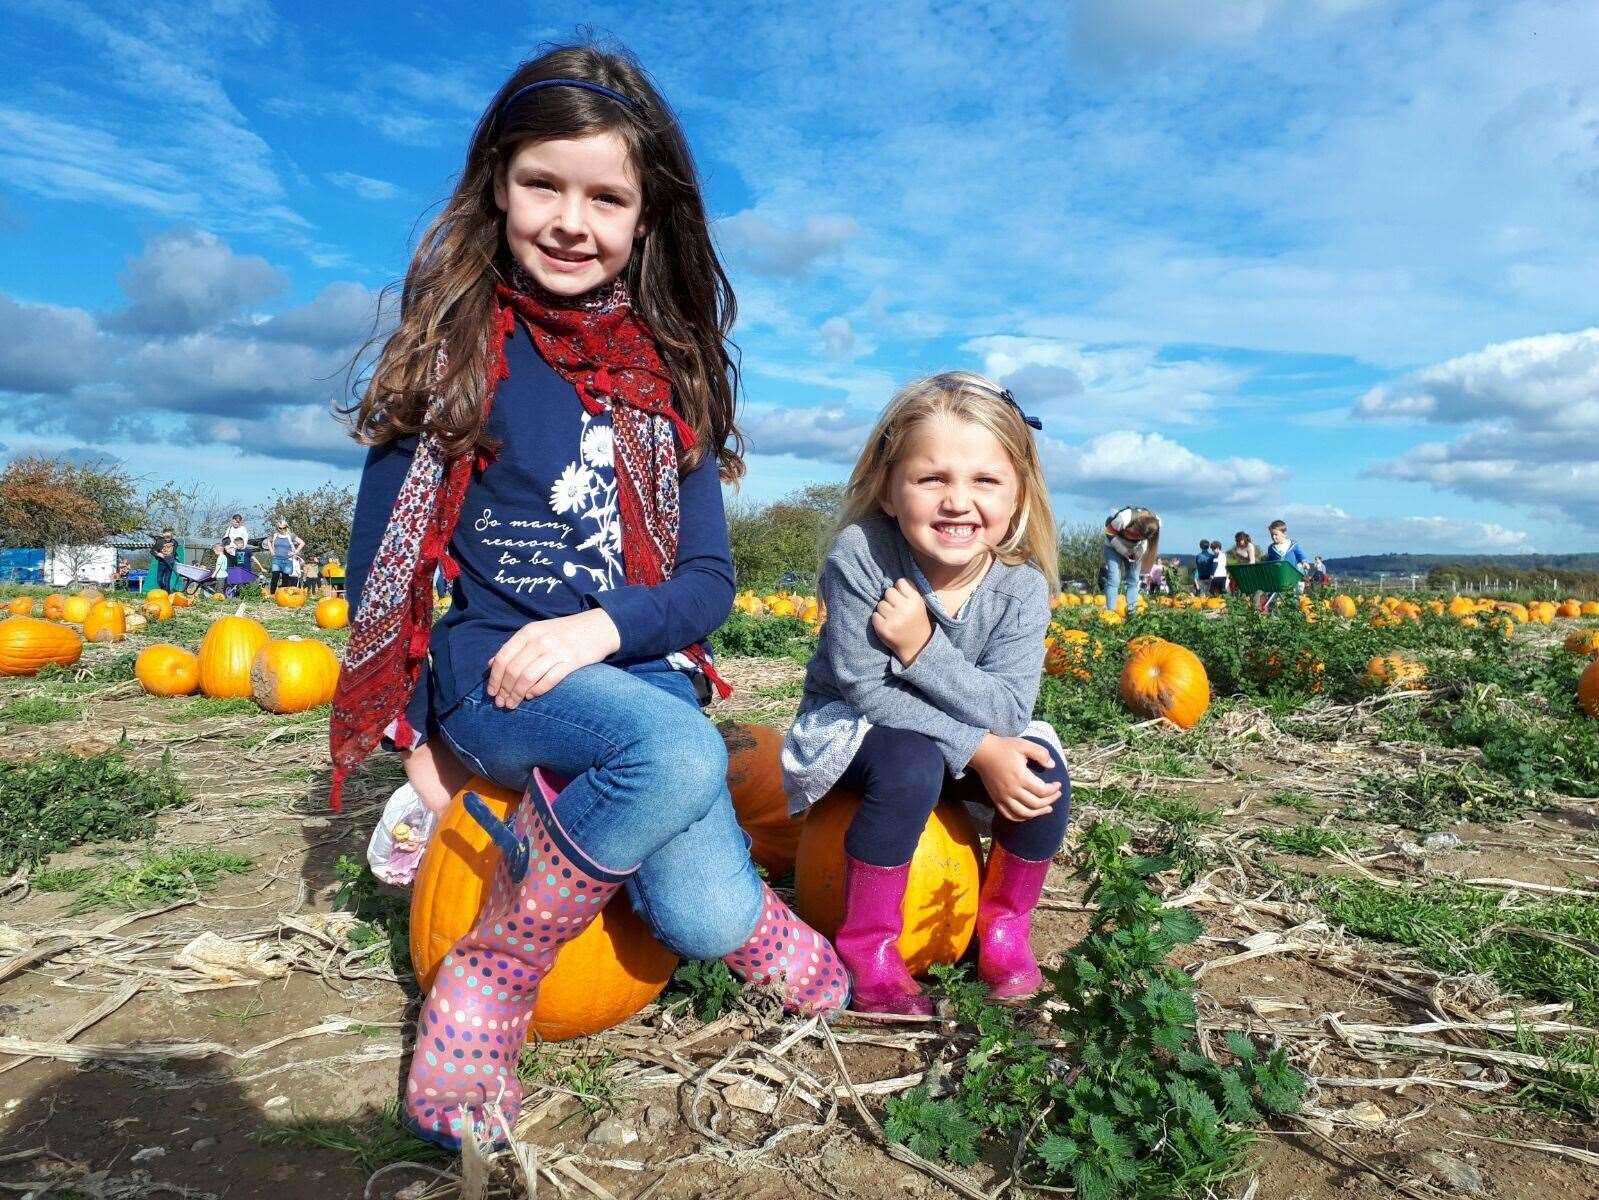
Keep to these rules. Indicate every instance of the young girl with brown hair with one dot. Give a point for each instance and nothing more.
(549, 426)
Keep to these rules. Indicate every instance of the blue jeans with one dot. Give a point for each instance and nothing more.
(648, 786)
(1115, 568)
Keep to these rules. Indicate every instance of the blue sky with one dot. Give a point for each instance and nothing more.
(1332, 260)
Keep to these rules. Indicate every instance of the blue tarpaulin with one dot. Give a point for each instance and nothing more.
(22, 566)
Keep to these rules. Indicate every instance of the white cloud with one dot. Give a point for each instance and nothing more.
(1075, 386)
(44, 348)
(822, 434)
(1328, 529)
(1531, 408)
(1546, 382)
(363, 186)
(187, 279)
(770, 247)
(340, 317)
(1128, 467)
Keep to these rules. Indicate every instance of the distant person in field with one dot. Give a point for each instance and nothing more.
(551, 423)
(1243, 553)
(1218, 578)
(284, 545)
(1284, 549)
(937, 591)
(1204, 566)
(237, 531)
(1132, 544)
(1157, 579)
(1319, 574)
(164, 562)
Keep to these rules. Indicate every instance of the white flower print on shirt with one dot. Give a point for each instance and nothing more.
(571, 489)
(597, 450)
(599, 493)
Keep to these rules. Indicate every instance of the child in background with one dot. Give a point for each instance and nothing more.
(1218, 578)
(937, 594)
(1132, 542)
(550, 425)
(1204, 567)
(1284, 549)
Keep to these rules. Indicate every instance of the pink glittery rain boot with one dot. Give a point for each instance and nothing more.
(1005, 962)
(868, 941)
(785, 952)
(475, 1018)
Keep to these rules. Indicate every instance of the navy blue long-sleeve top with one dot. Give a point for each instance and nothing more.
(540, 536)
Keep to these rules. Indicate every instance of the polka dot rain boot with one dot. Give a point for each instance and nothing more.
(476, 1015)
(786, 953)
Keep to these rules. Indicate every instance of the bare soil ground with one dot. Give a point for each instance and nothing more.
(124, 1074)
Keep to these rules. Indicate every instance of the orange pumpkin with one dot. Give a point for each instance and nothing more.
(290, 675)
(1571, 608)
(158, 610)
(332, 612)
(289, 597)
(227, 652)
(157, 594)
(1395, 670)
(53, 604)
(940, 906)
(26, 644)
(1590, 608)
(1584, 642)
(167, 670)
(75, 609)
(1588, 689)
(180, 600)
(755, 778)
(20, 606)
(107, 622)
(1166, 680)
(600, 978)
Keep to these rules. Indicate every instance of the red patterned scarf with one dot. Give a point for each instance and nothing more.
(609, 356)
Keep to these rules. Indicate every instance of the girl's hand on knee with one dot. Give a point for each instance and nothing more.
(1005, 766)
(542, 653)
(901, 621)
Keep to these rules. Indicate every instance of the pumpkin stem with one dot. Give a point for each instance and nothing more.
(514, 848)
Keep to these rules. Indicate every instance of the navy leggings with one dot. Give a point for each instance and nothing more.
(900, 775)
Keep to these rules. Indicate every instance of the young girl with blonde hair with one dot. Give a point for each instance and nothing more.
(937, 591)
(550, 425)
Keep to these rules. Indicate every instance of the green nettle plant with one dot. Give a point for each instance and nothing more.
(1133, 1111)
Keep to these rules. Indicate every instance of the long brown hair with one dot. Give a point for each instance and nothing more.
(676, 280)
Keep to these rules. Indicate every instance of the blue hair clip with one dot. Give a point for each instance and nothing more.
(598, 89)
(1009, 399)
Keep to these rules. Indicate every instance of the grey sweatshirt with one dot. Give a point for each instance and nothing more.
(979, 673)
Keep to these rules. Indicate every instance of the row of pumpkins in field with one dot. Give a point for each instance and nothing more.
(331, 612)
(238, 656)
(782, 604)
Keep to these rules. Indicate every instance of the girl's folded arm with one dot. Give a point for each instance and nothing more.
(999, 690)
(860, 666)
(693, 603)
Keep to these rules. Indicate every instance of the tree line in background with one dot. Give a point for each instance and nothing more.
(56, 503)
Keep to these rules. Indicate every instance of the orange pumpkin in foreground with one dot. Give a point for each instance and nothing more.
(227, 652)
(1584, 642)
(755, 778)
(940, 904)
(600, 978)
(1166, 680)
(332, 612)
(107, 622)
(158, 610)
(26, 644)
(167, 670)
(290, 675)
(20, 606)
(1588, 689)
(289, 597)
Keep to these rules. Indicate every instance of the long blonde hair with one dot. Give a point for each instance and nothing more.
(967, 397)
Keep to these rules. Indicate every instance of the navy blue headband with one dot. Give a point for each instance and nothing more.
(598, 88)
(1011, 400)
